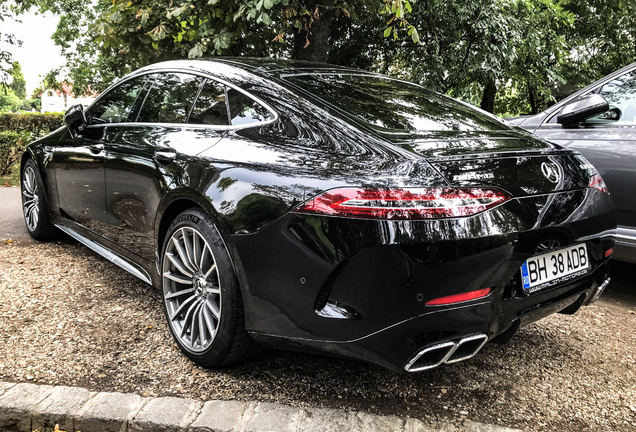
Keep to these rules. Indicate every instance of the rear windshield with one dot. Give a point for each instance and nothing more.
(395, 105)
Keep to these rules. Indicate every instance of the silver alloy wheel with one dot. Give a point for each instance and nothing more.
(191, 289)
(30, 205)
(547, 245)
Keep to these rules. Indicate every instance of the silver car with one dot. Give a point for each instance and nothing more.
(604, 131)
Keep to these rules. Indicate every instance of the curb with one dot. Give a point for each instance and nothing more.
(30, 407)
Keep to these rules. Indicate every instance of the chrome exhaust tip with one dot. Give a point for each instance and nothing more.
(446, 352)
(431, 357)
(467, 348)
(600, 290)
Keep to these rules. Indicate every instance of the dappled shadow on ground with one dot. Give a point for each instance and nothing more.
(70, 317)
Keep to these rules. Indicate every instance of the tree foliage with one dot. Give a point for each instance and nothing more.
(6, 59)
(8, 101)
(18, 83)
(504, 55)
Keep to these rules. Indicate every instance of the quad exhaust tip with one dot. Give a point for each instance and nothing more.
(446, 353)
(600, 290)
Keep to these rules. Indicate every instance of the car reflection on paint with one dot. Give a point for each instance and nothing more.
(307, 206)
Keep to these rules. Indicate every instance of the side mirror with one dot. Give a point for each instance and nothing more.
(75, 120)
(582, 108)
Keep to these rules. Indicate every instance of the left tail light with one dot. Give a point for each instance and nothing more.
(597, 182)
(404, 204)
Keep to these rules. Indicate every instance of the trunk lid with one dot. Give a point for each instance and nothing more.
(517, 163)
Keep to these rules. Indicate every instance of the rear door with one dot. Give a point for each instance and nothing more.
(150, 153)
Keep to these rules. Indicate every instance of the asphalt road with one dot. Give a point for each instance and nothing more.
(11, 221)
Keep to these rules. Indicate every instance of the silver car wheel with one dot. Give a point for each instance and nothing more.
(191, 289)
(30, 205)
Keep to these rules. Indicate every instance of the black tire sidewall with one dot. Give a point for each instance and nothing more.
(221, 346)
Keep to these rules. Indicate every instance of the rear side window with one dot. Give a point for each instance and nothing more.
(245, 110)
(115, 105)
(210, 107)
(385, 103)
(170, 99)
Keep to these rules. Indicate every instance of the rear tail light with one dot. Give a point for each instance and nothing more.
(597, 182)
(404, 204)
(459, 298)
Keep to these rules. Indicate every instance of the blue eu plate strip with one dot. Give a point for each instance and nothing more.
(525, 279)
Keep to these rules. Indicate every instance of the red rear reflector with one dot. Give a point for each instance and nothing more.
(597, 182)
(609, 252)
(458, 298)
(412, 203)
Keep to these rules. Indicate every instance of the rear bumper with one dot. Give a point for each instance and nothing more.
(397, 346)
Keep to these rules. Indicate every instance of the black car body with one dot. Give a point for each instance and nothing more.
(607, 140)
(361, 216)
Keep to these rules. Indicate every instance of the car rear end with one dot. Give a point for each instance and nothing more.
(412, 277)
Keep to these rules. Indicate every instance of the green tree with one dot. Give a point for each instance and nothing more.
(105, 39)
(9, 101)
(6, 59)
(471, 49)
(18, 83)
(603, 38)
(502, 55)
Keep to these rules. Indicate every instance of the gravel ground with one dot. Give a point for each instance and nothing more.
(70, 317)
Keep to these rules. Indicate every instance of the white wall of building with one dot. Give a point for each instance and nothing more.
(60, 101)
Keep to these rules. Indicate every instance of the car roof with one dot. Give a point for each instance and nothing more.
(264, 67)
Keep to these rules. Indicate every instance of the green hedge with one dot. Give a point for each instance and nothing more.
(12, 145)
(38, 124)
(18, 130)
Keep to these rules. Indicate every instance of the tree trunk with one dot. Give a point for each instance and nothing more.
(313, 45)
(534, 103)
(488, 99)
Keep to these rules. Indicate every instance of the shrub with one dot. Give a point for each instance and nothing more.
(12, 145)
(18, 130)
(38, 124)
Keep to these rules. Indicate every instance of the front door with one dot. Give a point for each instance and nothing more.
(79, 162)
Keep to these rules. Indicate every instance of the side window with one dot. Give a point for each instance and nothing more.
(170, 98)
(245, 110)
(210, 107)
(114, 106)
(620, 93)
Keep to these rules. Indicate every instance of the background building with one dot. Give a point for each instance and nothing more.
(61, 100)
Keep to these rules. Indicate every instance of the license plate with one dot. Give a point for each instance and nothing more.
(555, 267)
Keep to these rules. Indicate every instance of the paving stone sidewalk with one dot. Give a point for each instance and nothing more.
(30, 407)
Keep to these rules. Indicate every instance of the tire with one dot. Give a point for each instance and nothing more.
(207, 319)
(34, 206)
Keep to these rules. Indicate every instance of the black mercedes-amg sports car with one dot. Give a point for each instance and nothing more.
(313, 207)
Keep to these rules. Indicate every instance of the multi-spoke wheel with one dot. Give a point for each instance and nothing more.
(31, 201)
(191, 289)
(202, 297)
(36, 214)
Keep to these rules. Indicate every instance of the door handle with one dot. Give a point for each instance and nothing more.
(96, 148)
(165, 157)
